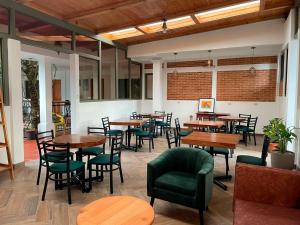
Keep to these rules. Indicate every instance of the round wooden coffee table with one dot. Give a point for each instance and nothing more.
(116, 210)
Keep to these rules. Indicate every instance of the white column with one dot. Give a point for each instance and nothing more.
(45, 91)
(15, 101)
(157, 85)
(74, 92)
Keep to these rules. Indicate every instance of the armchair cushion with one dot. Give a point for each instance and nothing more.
(179, 182)
(261, 214)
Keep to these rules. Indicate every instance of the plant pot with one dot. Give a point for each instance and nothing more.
(283, 160)
(30, 134)
(273, 147)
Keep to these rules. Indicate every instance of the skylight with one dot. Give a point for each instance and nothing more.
(229, 11)
(124, 33)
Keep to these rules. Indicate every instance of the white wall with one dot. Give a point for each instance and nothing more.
(255, 34)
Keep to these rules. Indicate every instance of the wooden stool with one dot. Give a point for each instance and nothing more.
(116, 210)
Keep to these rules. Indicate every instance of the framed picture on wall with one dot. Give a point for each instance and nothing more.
(206, 105)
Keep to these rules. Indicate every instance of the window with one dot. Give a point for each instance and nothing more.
(87, 45)
(30, 28)
(1, 68)
(123, 75)
(108, 71)
(88, 79)
(4, 20)
(136, 80)
(148, 85)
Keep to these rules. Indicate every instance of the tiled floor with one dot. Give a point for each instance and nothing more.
(21, 199)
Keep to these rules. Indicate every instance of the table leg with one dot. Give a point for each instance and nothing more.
(81, 177)
(217, 179)
(129, 136)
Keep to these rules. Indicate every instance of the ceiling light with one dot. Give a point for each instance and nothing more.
(164, 26)
(175, 63)
(252, 69)
(210, 62)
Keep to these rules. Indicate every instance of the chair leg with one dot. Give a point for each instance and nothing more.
(201, 217)
(179, 141)
(69, 189)
(60, 181)
(45, 185)
(149, 145)
(245, 138)
(152, 201)
(254, 136)
(97, 172)
(121, 173)
(136, 143)
(227, 164)
(90, 176)
(161, 128)
(152, 143)
(109, 140)
(83, 180)
(111, 179)
(39, 173)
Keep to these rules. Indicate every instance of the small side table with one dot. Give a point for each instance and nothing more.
(116, 210)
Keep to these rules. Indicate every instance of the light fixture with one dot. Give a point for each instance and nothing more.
(175, 63)
(252, 69)
(210, 62)
(164, 26)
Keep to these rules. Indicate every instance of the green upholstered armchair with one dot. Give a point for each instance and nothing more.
(183, 176)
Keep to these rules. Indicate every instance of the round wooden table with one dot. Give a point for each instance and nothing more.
(81, 141)
(116, 210)
(231, 120)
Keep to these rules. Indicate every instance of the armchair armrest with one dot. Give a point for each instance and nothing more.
(267, 185)
(157, 167)
(205, 179)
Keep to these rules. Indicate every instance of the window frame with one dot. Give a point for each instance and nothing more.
(146, 86)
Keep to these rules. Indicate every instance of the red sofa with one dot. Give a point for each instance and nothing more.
(264, 196)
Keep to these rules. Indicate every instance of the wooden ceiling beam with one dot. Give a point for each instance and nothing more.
(209, 26)
(101, 10)
(173, 15)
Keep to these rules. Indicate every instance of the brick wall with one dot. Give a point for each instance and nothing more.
(189, 86)
(248, 61)
(242, 86)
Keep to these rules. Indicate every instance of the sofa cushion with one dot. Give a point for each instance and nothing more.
(179, 182)
(253, 213)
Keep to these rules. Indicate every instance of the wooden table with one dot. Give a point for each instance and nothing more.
(204, 124)
(116, 210)
(80, 141)
(231, 120)
(129, 123)
(206, 115)
(213, 140)
(154, 115)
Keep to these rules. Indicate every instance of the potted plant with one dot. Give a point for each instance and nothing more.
(281, 135)
(30, 70)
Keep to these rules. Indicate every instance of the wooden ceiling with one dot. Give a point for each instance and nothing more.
(104, 16)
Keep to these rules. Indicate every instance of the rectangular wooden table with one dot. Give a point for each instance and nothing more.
(154, 115)
(129, 123)
(212, 140)
(204, 124)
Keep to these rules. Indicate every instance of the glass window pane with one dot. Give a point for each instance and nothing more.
(1, 70)
(4, 20)
(36, 30)
(123, 75)
(108, 71)
(87, 45)
(149, 85)
(136, 81)
(88, 79)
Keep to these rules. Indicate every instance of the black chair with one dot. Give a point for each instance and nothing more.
(74, 170)
(256, 160)
(180, 133)
(146, 135)
(163, 125)
(96, 150)
(248, 130)
(109, 132)
(46, 136)
(108, 162)
(243, 123)
(221, 151)
(171, 137)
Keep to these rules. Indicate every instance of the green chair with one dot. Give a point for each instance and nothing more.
(146, 135)
(180, 133)
(171, 137)
(108, 162)
(47, 136)
(248, 130)
(163, 125)
(259, 161)
(97, 150)
(183, 176)
(221, 151)
(109, 132)
(73, 170)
